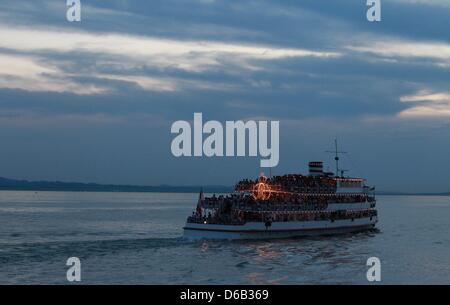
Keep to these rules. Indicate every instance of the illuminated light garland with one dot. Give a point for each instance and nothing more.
(261, 191)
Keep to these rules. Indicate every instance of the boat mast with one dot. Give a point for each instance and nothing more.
(336, 153)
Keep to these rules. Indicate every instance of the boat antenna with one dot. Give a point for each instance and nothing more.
(336, 153)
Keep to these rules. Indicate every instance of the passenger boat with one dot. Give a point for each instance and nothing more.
(320, 203)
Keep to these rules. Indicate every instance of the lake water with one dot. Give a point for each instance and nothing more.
(134, 238)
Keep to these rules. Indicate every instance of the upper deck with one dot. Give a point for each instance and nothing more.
(350, 185)
(299, 184)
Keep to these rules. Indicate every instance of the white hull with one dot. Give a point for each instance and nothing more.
(257, 230)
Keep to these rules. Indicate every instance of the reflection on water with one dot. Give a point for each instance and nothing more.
(135, 238)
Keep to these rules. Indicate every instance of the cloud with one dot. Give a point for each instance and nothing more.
(144, 82)
(317, 66)
(428, 104)
(33, 74)
(189, 55)
(441, 3)
(391, 49)
(26, 73)
(26, 118)
(169, 84)
(426, 96)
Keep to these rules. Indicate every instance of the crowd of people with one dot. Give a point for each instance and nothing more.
(291, 183)
(284, 200)
(288, 197)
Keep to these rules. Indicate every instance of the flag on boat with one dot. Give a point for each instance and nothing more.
(201, 199)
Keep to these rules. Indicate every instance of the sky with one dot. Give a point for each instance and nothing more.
(94, 101)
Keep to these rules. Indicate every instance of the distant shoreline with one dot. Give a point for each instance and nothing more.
(25, 185)
(57, 186)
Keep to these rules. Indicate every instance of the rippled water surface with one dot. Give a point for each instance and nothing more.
(134, 238)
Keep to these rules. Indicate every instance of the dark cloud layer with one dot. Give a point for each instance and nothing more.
(102, 113)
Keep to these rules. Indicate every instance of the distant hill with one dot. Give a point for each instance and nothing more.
(25, 185)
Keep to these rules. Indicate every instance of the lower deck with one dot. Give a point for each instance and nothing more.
(260, 230)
